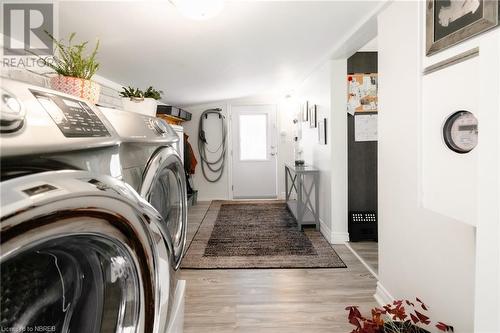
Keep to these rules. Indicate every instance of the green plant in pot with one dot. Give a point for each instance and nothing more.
(143, 102)
(75, 68)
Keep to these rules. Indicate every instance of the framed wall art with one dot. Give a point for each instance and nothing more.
(449, 22)
(322, 131)
(313, 116)
(305, 111)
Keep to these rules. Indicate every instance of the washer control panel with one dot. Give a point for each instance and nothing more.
(159, 126)
(74, 118)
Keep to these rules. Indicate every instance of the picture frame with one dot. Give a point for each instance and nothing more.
(305, 112)
(322, 131)
(449, 23)
(313, 113)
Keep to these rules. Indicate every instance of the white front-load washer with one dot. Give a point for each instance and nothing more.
(81, 251)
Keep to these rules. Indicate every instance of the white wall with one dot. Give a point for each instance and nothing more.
(339, 151)
(286, 110)
(316, 89)
(426, 249)
(207, 190)
(326, 87)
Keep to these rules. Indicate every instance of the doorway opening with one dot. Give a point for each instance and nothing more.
(362, 76)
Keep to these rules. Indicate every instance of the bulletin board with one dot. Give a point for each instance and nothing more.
(362, 93)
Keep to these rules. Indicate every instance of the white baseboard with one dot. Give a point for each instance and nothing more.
(325, 230)
(339, 237)
(208, 198)
(348, 245)
(382, 295)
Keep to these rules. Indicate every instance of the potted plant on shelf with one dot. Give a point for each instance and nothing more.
(74, 69)
(143, 102)
(402, 316)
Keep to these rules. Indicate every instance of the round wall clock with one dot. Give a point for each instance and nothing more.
(460, 132)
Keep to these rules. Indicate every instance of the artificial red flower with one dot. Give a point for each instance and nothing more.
(395, 312)
(443, 327)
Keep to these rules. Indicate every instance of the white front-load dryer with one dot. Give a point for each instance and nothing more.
(97, 251)
(152, 165)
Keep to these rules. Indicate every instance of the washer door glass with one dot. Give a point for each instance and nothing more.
(167, 195)
(70, 284)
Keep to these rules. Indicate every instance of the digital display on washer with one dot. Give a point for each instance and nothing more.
(74, 118)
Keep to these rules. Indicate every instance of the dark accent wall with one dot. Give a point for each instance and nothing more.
(362, 62)
(362, 156)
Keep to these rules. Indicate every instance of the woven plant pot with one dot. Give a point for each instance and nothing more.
(85, 89)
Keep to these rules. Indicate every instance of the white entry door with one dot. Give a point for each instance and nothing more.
(254, 152)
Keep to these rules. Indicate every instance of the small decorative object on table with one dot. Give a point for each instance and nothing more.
(402, 316)
(135, 100)
(298, 152)
(74, 69)
(297, 147)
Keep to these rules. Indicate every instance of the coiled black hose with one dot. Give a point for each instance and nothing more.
(216, 165)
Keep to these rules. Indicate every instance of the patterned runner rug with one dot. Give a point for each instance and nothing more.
(260, 234)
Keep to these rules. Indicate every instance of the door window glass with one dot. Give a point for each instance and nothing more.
(253, 137)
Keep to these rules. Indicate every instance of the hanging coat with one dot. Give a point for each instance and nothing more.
(190, 161)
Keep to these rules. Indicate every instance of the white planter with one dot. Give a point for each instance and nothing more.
(145, 106)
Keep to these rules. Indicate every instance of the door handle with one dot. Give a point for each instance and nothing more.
(273, 154)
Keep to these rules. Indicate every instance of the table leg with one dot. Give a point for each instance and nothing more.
(316, 200)
(287, 196)
(300, 210)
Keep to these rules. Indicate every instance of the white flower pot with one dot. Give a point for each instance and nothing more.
(85, 89)
(146, 106)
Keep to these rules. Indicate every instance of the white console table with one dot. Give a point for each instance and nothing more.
(302, 208)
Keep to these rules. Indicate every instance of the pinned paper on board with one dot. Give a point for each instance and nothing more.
(362, 93)
(365, 127)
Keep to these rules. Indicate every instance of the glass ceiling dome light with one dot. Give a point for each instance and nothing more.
(199, 9)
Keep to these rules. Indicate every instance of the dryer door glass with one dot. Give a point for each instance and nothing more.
(168, 197)
(79, 284)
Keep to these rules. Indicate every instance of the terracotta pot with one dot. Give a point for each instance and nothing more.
(85, 89)
(146, 106)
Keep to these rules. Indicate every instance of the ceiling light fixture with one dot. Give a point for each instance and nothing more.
(199, 9)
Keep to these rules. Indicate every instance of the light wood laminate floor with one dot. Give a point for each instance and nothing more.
(368, 251)
(274, 300)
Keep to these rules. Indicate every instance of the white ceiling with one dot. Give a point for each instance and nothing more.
(252, 47)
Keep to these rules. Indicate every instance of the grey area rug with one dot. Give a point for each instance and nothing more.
(257, 235)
